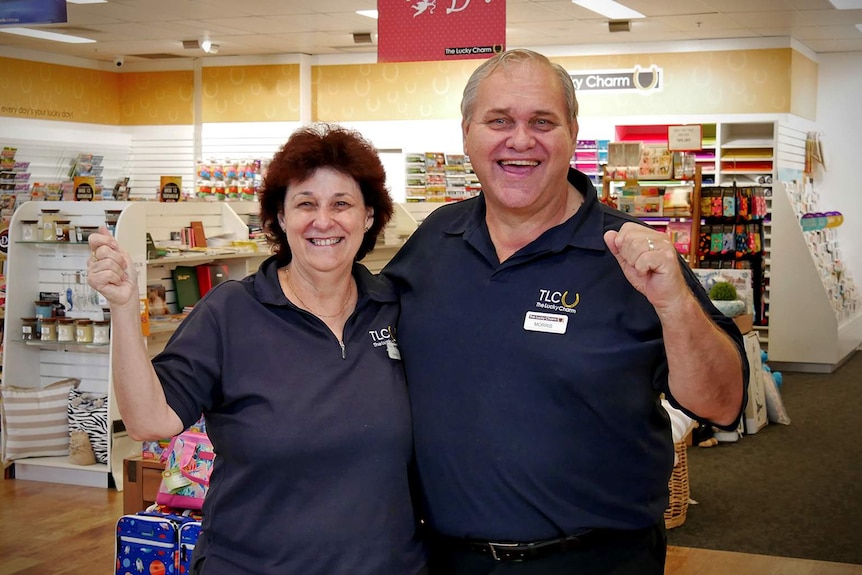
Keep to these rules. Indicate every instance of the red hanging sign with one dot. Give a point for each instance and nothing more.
(424, 30)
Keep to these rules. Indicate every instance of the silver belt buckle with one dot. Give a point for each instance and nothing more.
(494, 546)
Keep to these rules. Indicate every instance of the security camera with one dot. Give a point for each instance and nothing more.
(118, 62)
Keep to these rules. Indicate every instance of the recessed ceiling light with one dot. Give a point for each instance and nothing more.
(369, 13)
(609, 8)
(43, 35)
(847, 4)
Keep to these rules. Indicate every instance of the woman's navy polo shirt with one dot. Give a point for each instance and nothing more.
(312, 447)
(534, 383)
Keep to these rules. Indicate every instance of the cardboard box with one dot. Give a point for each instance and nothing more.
(744, 322)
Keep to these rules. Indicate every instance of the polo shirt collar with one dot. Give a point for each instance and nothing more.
(267, 287)
(585, 229)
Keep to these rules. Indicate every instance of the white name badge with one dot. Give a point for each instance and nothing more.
(546, 322)
(392, 350)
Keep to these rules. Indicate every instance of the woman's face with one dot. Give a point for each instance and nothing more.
(325, 219)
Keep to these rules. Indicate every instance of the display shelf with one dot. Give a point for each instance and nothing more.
(35, 267)
(67, 346)
(205, 257)
(40, 266)
(805, 333)
(693, 219)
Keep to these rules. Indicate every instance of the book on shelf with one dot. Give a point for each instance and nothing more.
(186, 285)
(199, 238)
(210, 275)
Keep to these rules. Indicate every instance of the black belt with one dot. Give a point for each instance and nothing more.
(516, 551)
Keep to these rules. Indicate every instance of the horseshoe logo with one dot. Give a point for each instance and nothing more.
(570, 305)
(636, 77)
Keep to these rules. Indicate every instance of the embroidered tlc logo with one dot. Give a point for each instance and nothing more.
(558, 301)
(382, 336)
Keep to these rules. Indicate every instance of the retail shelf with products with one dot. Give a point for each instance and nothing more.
(731, 235)
(590, 156)
(439, 177)
(747, 153)
(657, 134)
(671, 206)
(36, 266)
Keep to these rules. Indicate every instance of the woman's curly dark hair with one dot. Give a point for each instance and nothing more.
(324, 146)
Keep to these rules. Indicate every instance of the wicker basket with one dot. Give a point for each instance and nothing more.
(674, 515)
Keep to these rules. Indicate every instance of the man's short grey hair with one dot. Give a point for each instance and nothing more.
(513, 57)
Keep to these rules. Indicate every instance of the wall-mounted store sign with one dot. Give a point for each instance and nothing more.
(21, 12)
(423, 30)
(637, 79)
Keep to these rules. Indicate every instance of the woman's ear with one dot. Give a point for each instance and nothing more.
(369, 218)
(280, 219)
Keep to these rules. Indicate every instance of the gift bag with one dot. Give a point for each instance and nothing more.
(188, 464)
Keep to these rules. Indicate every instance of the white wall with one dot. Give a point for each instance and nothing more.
(839, 117)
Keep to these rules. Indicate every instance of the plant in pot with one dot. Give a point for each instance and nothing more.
(725, 299)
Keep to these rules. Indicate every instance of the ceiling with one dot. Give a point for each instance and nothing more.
(139, 30)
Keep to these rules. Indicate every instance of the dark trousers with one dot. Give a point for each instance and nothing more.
(642, 555)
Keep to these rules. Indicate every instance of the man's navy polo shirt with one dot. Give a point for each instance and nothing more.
(534, 383)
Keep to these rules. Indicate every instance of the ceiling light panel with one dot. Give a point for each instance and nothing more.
(609, 9)
(847, 4)
(44, 35)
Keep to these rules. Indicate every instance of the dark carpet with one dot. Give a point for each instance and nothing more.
(789, 490)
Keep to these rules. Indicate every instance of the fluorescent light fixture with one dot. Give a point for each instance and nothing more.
(43, 35)
(368, 13)
(609, 8)
(847, 4)
(208, 47)
(86, 1)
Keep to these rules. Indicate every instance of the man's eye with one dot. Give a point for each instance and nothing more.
(498, 122)
(543, 124)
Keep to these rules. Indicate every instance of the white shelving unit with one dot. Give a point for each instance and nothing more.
(806, 334)
(42, 266)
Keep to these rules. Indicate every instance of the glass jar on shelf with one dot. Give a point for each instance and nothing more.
(48, 219)
(102, 331)
(84, 331)
(28, 329)
(29, 230)
(49, 329)
(65, 329)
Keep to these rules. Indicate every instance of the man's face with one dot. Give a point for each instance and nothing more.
(520, 138)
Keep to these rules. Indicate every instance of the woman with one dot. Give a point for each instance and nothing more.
(297, 373)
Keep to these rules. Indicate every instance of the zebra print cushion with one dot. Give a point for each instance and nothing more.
(88, 412)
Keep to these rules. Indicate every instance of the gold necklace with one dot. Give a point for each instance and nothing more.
(306, 306)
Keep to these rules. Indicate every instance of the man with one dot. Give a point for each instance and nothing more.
(539, 328)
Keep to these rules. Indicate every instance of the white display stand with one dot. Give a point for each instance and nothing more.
(35, 266)
(805, 334)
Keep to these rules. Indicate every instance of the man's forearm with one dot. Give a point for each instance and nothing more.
(705, 366)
